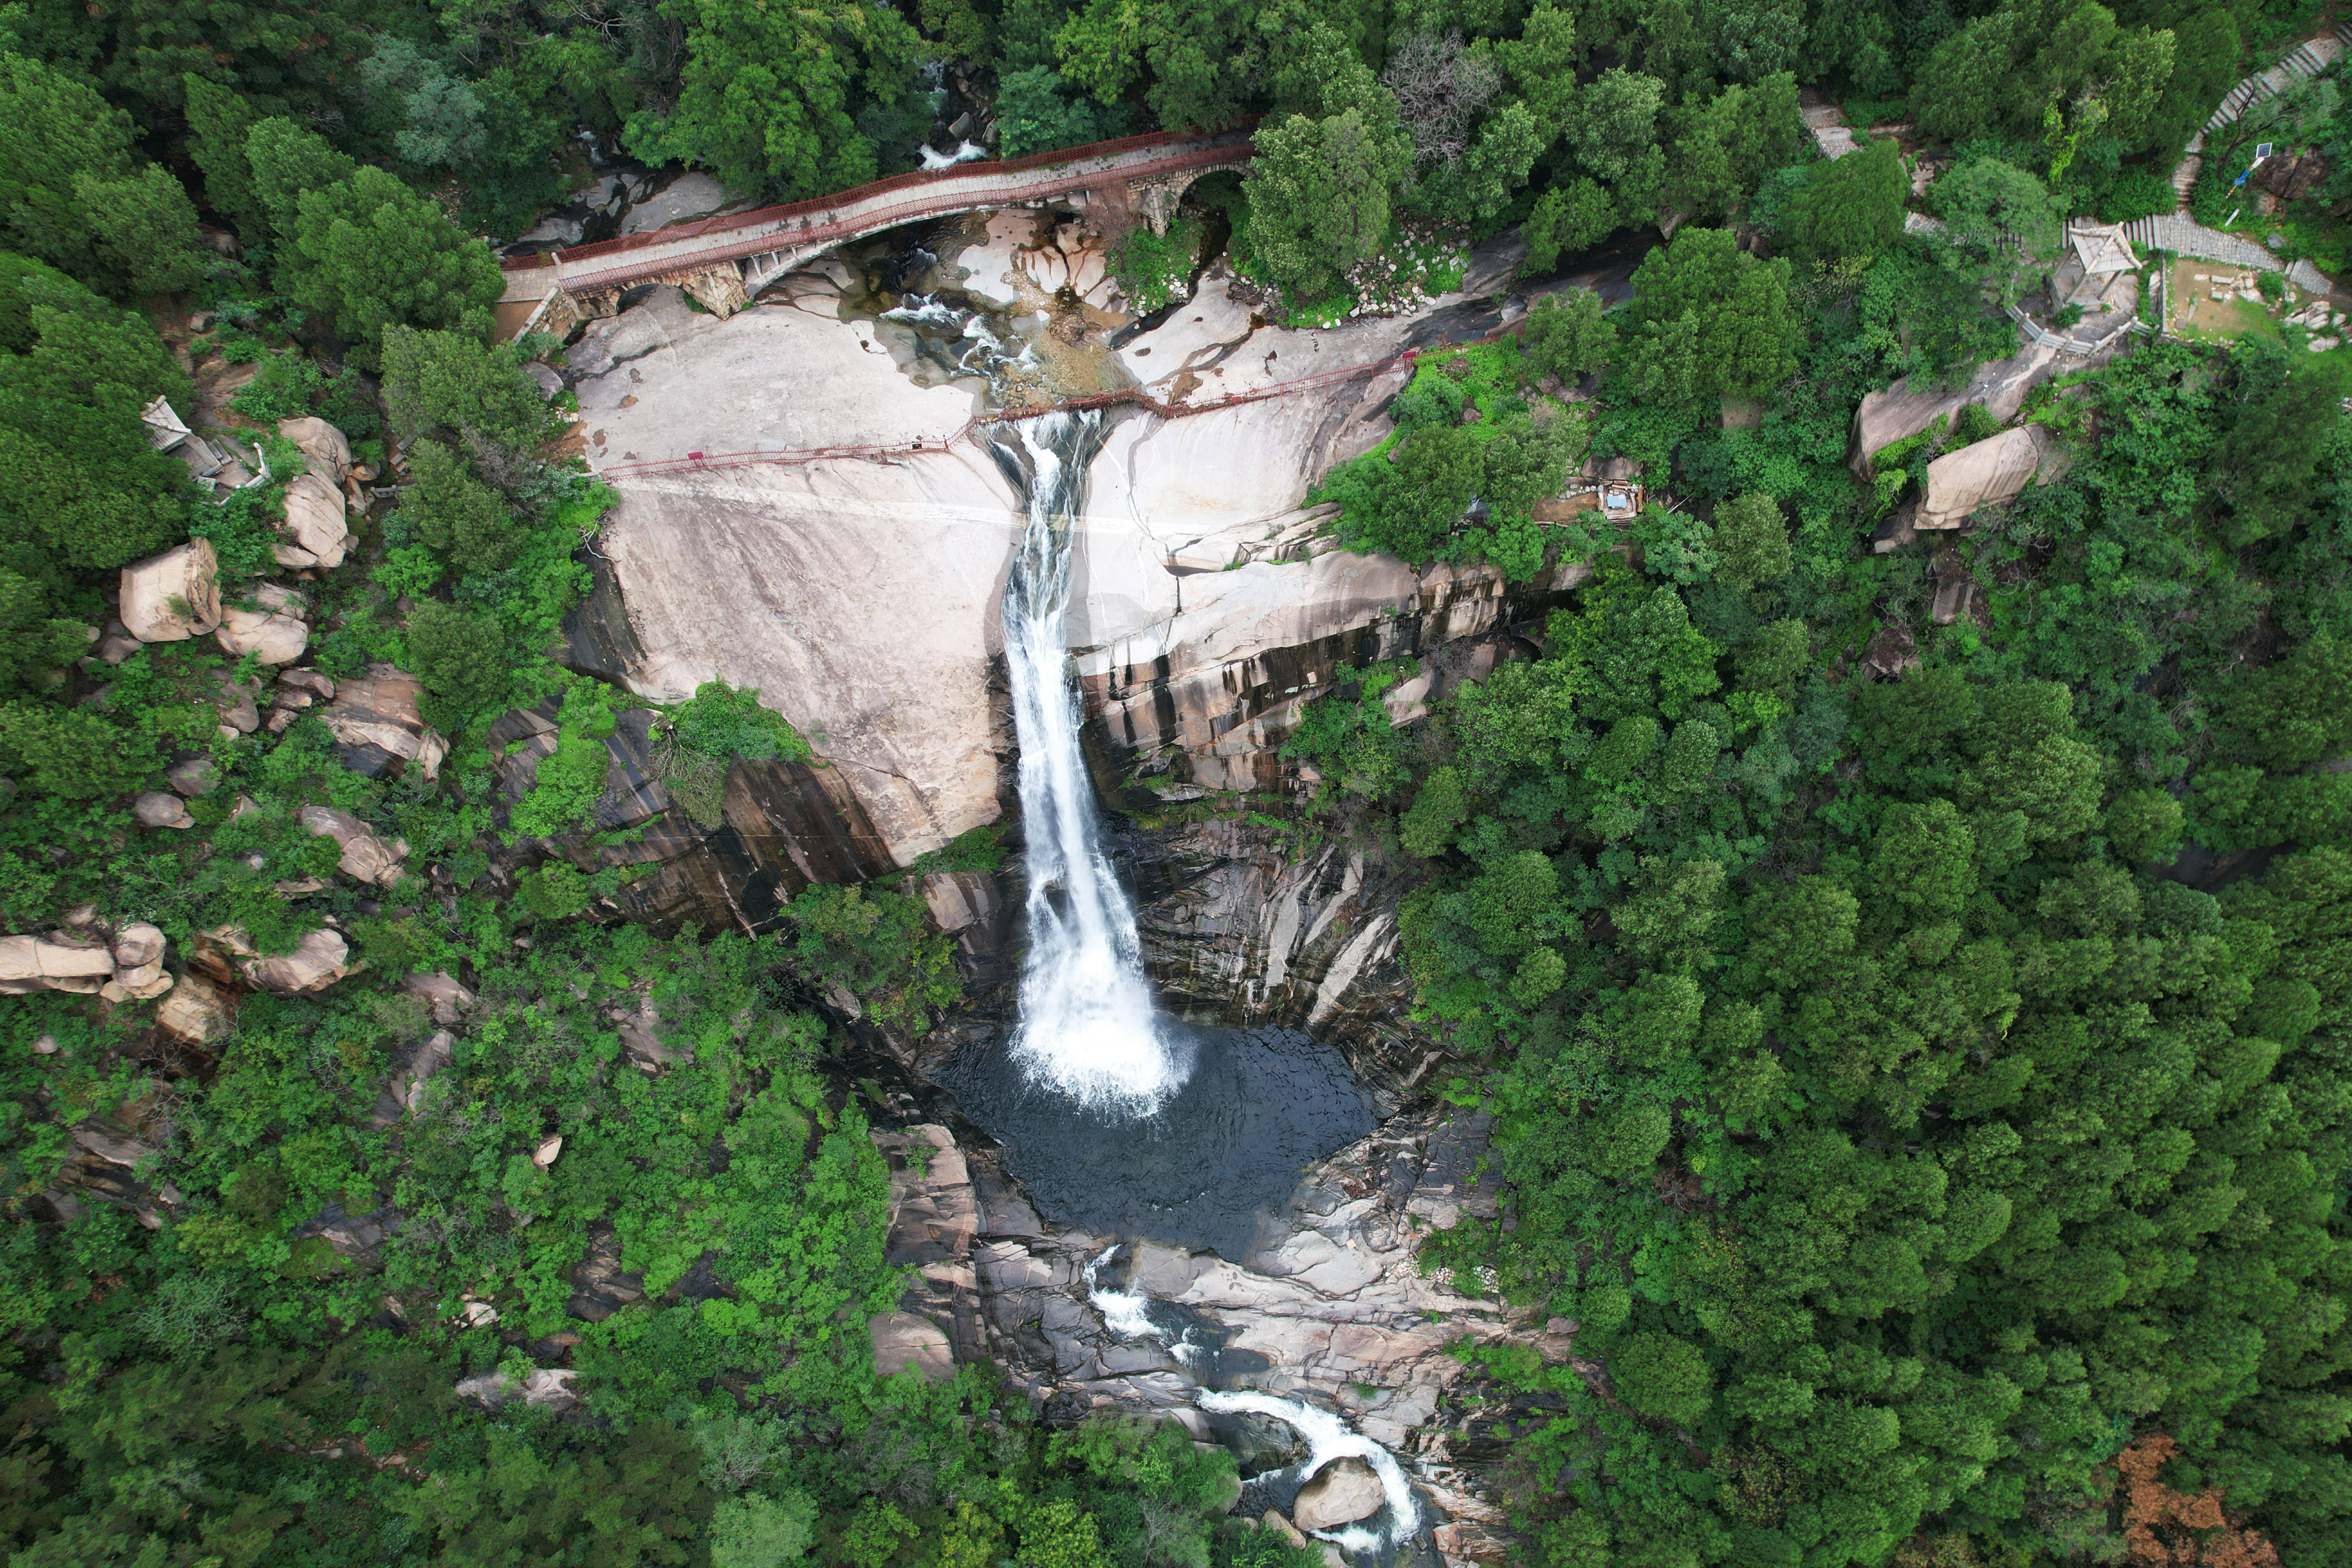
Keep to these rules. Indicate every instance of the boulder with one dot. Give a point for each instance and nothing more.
(1342, 1493)
(173, 596)
(323, 447)
(156, 809)
(138, 955)
(450, 1001)
(271, 637)
(375, 722)
(1901, 411)
(196, 1012)
(240, 705)
(195, 777)
(548, 1150)
(902, 1339)
(1994, 469)
(546, 1388)
(599, 1288)
(409, 1084)
(365, 857)
(318, 961)
(314, 518)
(310, 682)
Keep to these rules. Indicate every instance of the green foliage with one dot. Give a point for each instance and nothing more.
(445, 381)
(1153, 269)
(872, 942)
(1318, 200)
(72, 194)
(366, 254)
(1710, 321)
(1038, 111)
(1850, 211)
(461, 657)
(770, 99)
(1568, 336)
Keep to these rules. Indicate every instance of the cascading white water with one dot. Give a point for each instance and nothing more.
(1087, 1021)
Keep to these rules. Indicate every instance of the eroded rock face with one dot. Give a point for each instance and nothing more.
(314, 522)
(1997, 468)
(319, 959)
(376, 724)
(173, 596)
(366, 858)
(323, 447)
(1342, 1493)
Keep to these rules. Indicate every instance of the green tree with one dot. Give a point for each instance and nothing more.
(1566, 335)
(71, 751)
(455, 512)
(368, 253)
(1437, 471)
(459, 657)
(71, 195)
(1751, 542)
(770, 96)
(453, 382)
(2263, 470)
(284, 160)
(1570, 218)
(219, 122)
(1710, 321)
(1036, 112)
(1319, 202)
(1850, 210)
(1439, 809)
(1982, 201)
(1663, 1376)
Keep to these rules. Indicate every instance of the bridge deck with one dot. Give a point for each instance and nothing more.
(867, 209)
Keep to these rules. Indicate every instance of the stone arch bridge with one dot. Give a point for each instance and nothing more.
(721, 262)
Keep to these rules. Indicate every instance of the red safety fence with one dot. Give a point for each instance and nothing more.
(1127, 395)
(766, 218)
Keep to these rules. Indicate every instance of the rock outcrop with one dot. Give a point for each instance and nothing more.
(376, 724)
(319, 958)
(366, 858)
(1997, 468)
(1342, 1493)
(314, 522)
(324, 448)
(1331, 1306)
(173, 596)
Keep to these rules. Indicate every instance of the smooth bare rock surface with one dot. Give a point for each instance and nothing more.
(904, 1340)
(196, 1012)
(138, 953)
(375, 721)
(862, 597)
(314, 519)
(156, 809)
(173, 596)
(440, 990)
(1342, 1493)
(323, 447)
(318, 959)
(271, 637)
(366, 858)
(1997, 468)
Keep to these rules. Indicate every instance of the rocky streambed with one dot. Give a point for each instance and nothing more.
(1208, 606)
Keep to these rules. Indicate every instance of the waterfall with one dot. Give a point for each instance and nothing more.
(1086, 1023)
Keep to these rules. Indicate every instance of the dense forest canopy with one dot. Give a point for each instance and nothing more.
(1918, 1045)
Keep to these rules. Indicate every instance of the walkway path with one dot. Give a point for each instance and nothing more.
(2307, 61)
(1146, 172)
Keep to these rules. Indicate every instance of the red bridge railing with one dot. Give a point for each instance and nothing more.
(1132, 396)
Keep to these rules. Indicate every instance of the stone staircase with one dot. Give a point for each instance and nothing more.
(2306, 60)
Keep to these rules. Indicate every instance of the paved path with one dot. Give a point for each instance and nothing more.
(2306, 60)
(1151, 172)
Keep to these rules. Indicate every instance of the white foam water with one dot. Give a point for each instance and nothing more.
(1328, 1438)
(1087, 1019)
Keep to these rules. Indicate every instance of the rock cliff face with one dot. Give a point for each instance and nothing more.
(861, 597)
